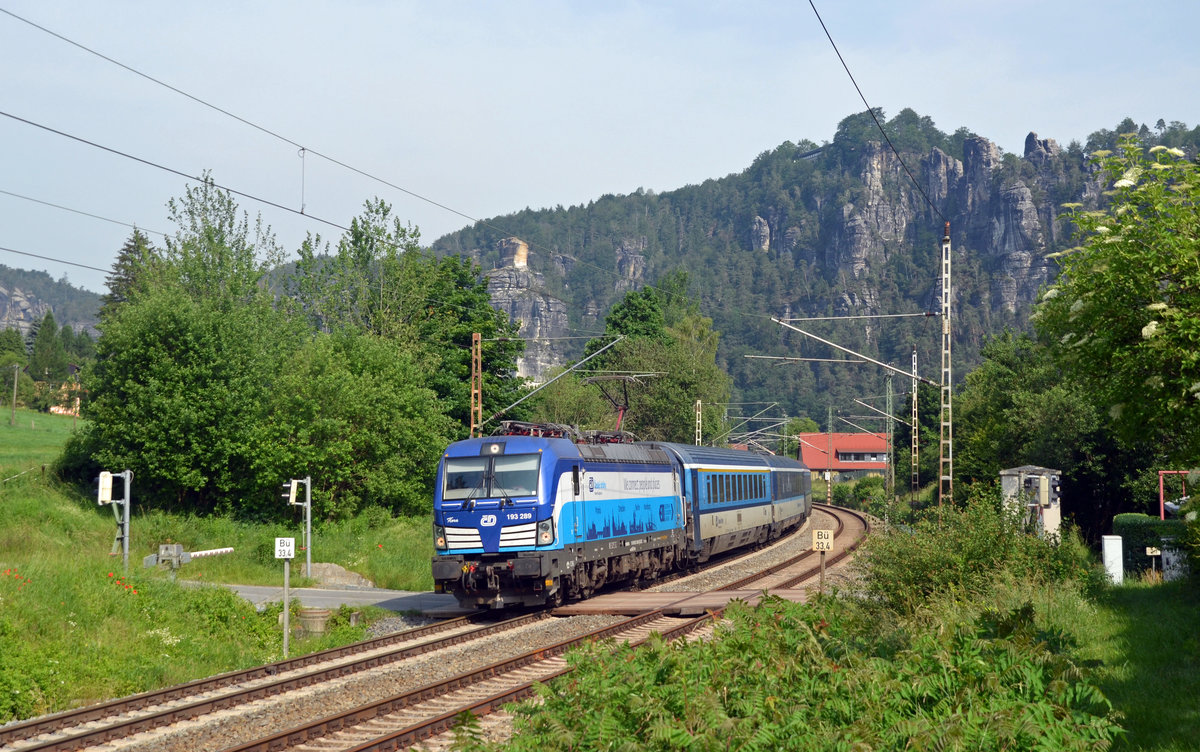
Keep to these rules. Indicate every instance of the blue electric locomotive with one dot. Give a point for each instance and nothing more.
(538, 514)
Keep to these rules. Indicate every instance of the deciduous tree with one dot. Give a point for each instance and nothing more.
(1125, 313)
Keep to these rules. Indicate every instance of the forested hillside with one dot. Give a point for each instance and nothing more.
(843, 228)
(26, 296)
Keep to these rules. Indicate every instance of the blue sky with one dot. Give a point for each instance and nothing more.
(490, 107)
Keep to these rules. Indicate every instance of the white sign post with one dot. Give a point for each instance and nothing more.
(285, 548)
(822, 541)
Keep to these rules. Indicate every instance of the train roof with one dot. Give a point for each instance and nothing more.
(704, 455)
(558, 447)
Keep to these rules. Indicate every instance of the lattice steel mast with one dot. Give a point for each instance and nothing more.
(946, 466)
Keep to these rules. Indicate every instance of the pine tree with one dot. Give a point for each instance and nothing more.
(133, 262)
(48, 360)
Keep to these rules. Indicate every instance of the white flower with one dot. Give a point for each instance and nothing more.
(1195, 389)
(1115, 411)
(1102, 230)
(1154, 382)
(1157, 307)
(1174, 152)
(1149, 330)
(1050, 294)
(1160, 147)
(1123, 183)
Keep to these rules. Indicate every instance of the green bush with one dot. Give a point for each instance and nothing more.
(787, 676)
(963, 550)
(1141, 531)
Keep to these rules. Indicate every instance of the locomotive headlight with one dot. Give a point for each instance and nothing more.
(439, 536)
(545, 532)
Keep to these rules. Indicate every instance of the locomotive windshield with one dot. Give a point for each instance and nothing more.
(489, 477)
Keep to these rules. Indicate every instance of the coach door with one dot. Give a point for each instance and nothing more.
(577, 500)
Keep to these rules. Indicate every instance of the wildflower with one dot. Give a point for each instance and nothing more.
(379, 544)
(110, 574)
(1154, 382)
(1102, 230)
(1116, 410)
(1175, 152)
(1154, 149)
(1156, 307)
(1149, 330)
(1123, 183)
(1050, 294)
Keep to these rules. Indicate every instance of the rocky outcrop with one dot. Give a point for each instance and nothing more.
(1040, 150)
(631, 264)
(19, 310)
(760, 234)
(866, 214)
(520, 293)
(998, 219)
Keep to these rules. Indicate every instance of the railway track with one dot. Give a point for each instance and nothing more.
(400, 719)
(850, 528)
(424, 714)
(98, 724)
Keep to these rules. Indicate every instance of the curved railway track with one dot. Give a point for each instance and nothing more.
(851, 527)
(399, 720)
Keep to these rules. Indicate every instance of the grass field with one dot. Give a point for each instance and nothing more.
(1147, 635)
(75, 627)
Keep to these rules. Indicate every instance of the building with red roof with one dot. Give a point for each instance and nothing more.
(854, 456)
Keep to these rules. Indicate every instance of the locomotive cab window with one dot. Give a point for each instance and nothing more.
(490, 477)
(516, 474)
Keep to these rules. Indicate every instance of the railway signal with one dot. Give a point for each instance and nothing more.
(120, 507)
(289, 492)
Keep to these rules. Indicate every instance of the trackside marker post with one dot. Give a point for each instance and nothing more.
(285, 548)
(822, 541)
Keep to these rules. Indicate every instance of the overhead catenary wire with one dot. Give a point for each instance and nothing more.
(305, 150)
(871, 112)
(172, 170)
(80, 212)
(51, 258)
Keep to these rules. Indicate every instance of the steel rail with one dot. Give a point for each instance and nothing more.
(128, 726)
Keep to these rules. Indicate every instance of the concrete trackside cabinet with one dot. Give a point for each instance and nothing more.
(1114, 565)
